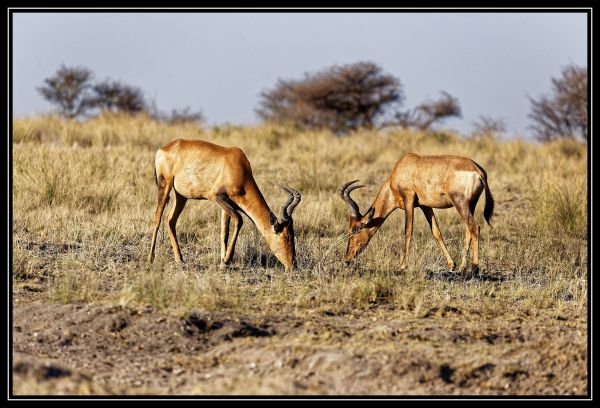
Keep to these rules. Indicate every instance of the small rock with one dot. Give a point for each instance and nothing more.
(65, 341)
(118, 323)
(52, 371)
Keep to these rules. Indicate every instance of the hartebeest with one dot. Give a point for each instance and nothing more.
(200, 170)
(426, 182)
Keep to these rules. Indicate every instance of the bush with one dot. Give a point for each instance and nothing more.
(340, 98)
(427, 113)
(563, 114)
(114, 96)
(488, 126)
(71, 90)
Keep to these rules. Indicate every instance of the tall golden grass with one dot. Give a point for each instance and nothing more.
(84, 197)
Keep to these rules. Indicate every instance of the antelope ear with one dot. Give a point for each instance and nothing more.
(276, 224)
(272, 218)
(368, 217)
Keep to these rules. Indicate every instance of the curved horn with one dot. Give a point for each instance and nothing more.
(293, 200)
(287, 203)
(297, 198)
(345, 194)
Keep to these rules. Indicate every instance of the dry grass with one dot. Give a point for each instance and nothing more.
(84, 197)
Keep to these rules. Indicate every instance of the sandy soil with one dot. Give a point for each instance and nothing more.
(103, 349)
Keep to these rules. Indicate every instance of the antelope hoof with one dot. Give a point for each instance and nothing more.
(451, 265)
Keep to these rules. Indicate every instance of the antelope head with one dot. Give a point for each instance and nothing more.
(361, 227)
(282, 243)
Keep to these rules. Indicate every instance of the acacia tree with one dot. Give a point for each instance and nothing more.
(488, 125)
(115, 96)
(340, 98)
(429, 112)
(564, 113)
(70, 90)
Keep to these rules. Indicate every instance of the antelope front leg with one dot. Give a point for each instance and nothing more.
(408, 226)
(237, 225)
(225, 218)
(229, 214)
(174, 214)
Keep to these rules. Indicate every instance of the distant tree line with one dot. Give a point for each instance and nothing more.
(341, 98)
(75, 94)
(361, 95)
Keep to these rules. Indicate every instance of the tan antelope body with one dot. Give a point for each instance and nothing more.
(425, 182)
(200, 170)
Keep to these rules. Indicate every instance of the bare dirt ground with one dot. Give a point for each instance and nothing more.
(102, 349)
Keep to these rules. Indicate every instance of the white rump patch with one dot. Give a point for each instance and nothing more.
(469, 179)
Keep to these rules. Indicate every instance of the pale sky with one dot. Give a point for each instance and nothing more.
(220, 62)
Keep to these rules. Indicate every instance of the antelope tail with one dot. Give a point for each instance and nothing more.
(488, 211)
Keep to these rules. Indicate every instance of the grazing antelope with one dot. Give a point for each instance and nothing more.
(426, 182)
(204, 171)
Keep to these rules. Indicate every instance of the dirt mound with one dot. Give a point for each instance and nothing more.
(31, 376)
(99, 349)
